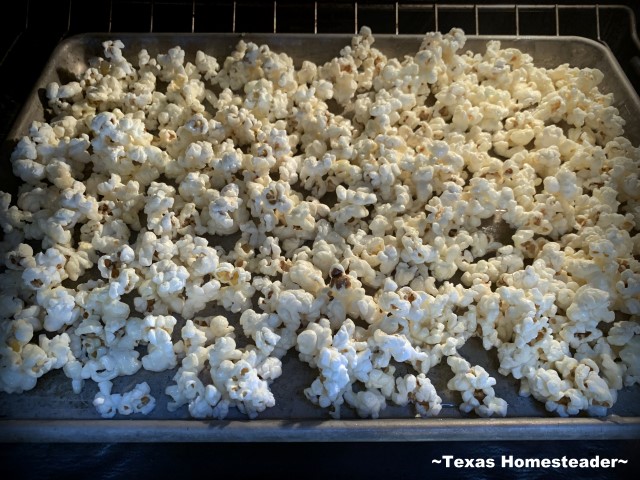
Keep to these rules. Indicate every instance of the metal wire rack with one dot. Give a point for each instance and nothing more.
(590, 20)
(392, 13)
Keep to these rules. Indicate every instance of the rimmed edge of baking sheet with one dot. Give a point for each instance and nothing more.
(434, 429)
(400, 429)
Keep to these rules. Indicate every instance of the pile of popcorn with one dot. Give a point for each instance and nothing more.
(353, 199)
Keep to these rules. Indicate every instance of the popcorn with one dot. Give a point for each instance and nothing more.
(400, 349)
(207, 65)
(572, 386)
(22, 362)
(477, 388)
(160, 354)
(546, 385)
(629, 356)
(623, 338)
(307, 276)
(60, 308)
(47, 272)
(137, 400)
(367, 403)
(108, 365)
(420, 392)
(246, 385)
(197, 338)
(225, 212)
(335, 362)
(367, 211)
(106, 404)
(239, 378)
(169, 277)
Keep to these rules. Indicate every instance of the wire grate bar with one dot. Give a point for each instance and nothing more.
(18, 35)
(26, 17)
(477, 19)
(110, 15)
(193, 16)
(233, 19)
(397, 19)
(151, 18)
(68, 20)
(506, 6)
(315, 17)
(556, 9)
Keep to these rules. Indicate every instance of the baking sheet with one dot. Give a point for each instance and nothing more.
(52, 412)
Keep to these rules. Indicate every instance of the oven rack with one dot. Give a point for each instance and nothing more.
(595, 21)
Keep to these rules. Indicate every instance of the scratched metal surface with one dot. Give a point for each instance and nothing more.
(52, 412)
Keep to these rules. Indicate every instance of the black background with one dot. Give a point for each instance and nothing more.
(304, 461)
(26, 41)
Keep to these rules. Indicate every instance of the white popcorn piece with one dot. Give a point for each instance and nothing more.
(106, 404)
(47, 272)
(108, 365)
(60, 308)
(368, 403)
(629, 356)
(340, 363)
(137, 400)
(400, 349)
(419, 391)
(207, 65)
(476, 387)
(307, 276)
(22, 362)
(157, 332)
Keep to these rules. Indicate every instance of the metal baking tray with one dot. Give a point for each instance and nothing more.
(52, 412)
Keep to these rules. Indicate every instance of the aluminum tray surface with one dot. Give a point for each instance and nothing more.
(52, 412)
